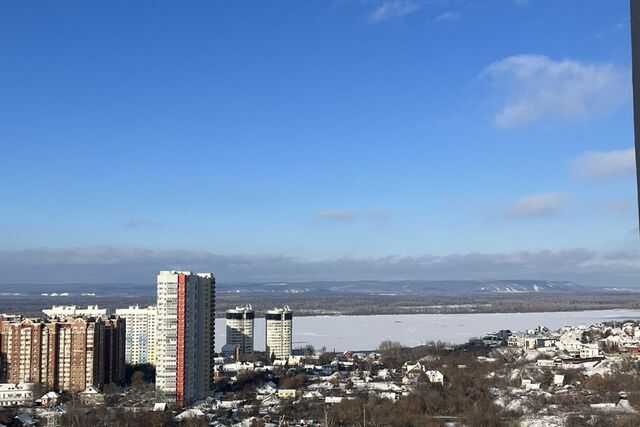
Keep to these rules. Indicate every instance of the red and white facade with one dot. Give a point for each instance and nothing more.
(185, 335)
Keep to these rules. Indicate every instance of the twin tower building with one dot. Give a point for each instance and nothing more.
(185, 334)
(240, 332)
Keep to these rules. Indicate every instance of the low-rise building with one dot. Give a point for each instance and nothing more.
(287, 393)
(435, 377)
(20, 394)
(515, 340)
(588, 351)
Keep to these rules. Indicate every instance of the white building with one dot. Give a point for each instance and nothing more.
(515, 340)
(240, 322)
(569, 345)
(16, 394)
(589, 350)
(62, 311)
(185, 335)
(279, 327)
(141, 333)
(435, 377)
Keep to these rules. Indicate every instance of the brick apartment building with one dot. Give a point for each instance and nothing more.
(69, 354)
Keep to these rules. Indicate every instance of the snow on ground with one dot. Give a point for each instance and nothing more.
(604, 367)
(515, 374)
(518, 405)
(543, 421)
(591, 368)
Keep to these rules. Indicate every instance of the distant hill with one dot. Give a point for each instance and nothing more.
(421, 287)
(374, 287)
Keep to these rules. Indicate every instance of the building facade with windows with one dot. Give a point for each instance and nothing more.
(63, 311)
(141, 333)
(185, 335)
(240, 326)
(279, 329)
(16, 394)
(65, 355)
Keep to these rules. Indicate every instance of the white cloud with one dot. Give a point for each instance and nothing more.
(593, 165)
(344, 214)
(537, 205)
(449, 16)
(120, 265)
(537, 88)
(394, 9)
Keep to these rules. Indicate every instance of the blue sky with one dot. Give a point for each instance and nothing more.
(318, 130)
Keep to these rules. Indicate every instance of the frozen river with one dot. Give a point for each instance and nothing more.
(366, 332)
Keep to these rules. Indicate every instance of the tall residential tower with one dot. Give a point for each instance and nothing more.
(185, 335)
(279, 331)
(240, 328)
(141, 333)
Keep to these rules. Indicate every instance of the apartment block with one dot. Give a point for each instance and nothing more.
(70, 354)
(141, 334)
(240, 326)
(185, 335)
(115, 334)
(279, 324)
(65, 311)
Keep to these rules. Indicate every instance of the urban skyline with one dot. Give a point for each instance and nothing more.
(419, 213)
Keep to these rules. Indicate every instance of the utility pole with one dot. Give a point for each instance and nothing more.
(635, 65)
(326, 418)
(364, 415)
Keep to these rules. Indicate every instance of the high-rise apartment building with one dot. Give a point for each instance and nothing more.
(185, 335)
(279, 327)
(115, 334)
(63, 311)
(240, 328)
(70, 354)
(141, 333)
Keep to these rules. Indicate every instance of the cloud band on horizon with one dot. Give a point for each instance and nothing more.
(104, 264)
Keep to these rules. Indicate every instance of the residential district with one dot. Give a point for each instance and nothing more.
(158, 366)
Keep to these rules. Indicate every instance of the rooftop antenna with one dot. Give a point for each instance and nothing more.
(635, 64)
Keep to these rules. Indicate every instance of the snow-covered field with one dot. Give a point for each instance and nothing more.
(366, 332)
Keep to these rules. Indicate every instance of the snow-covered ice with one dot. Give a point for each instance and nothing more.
(366, 332)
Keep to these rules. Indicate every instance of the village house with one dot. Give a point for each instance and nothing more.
(588, 351)
(16, 394)
(516, 340)
(412, 371)
(49, 398)
(435, 377)
(287, 393)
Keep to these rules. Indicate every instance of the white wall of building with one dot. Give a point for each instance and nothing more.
(141, 334)
(240, 328)
(62, 311)
(16, 394)
(279, 328)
